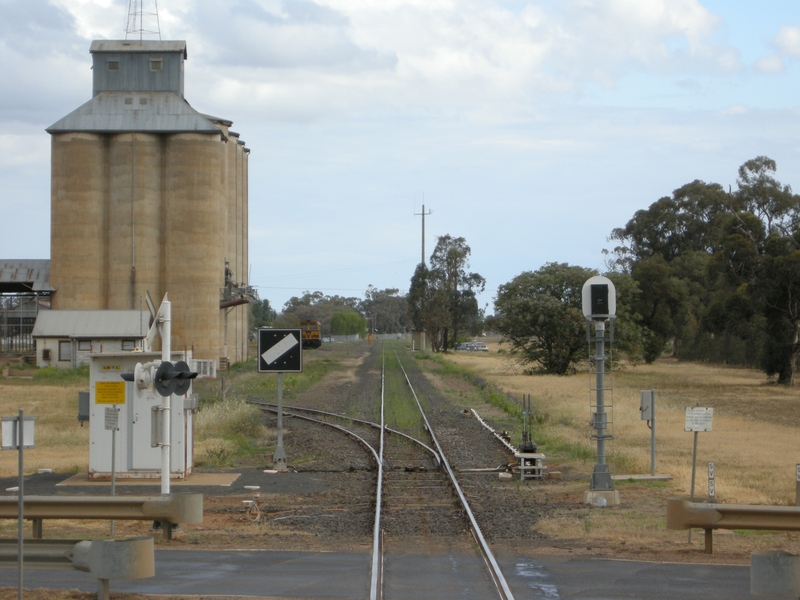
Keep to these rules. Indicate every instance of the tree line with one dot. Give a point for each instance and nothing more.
(442, 301)
(706, 273)
(380, 311)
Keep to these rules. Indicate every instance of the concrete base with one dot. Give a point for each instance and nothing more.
(656, 477)
(216, 479)
(600, 498)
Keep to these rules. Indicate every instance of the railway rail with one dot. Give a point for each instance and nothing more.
(412, 477)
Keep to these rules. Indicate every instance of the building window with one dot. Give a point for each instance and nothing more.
(128, 344)
(129, 101)
(113, 65)
(65, 350)
(142, 100)
(156, 65)
(84, 346)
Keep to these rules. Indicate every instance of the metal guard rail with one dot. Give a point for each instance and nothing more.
(686, 513)
(172, 509)
(105, 559)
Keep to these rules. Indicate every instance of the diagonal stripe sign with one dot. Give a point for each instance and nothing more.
(279, 349)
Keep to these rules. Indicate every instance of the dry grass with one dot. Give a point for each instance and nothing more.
(60, 442)
(222, 429)
(754, 442)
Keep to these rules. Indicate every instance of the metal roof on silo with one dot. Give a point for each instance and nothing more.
(21, 276)
(92, 324)
(112, 46)
(135, 111)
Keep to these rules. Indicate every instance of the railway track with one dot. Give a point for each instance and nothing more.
(415, 483)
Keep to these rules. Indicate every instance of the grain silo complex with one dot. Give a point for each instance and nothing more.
(149, 194)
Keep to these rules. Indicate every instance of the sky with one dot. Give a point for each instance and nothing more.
(530, 128)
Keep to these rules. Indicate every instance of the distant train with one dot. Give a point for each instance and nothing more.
(310, 334)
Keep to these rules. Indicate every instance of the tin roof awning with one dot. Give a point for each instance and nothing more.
(25, 276)
(92, 324)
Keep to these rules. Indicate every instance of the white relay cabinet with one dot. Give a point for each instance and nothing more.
(135, 457)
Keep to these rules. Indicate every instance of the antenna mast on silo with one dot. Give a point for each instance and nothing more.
(142, 19)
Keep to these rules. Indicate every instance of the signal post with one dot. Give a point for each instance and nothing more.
(600, 306)
(280, 351)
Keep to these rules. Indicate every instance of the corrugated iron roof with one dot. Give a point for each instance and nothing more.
(135, 111)
(26, 275)
(93, 324)
(219, 120)
(139, 46)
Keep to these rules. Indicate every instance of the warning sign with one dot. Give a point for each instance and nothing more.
(698, 418)
(109, 392)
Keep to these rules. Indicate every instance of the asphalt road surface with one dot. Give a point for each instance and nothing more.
(333, 575)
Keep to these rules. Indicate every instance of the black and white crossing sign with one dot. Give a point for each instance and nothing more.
(280, 351)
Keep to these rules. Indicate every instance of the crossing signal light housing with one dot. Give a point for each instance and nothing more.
(167, 380)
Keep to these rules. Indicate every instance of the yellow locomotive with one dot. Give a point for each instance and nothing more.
(309, 331)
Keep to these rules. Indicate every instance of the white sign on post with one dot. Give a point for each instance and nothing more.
(698, 418)
(10, 432)
(112, 418)
(711, 485)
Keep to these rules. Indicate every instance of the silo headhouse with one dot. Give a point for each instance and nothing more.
(150, 195)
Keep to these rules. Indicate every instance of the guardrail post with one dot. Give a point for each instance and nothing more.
(102, 590)
(36, 528)
(709, 541)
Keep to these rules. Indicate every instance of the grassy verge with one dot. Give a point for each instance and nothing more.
(752, 442)
(401, 410)
(228, 431)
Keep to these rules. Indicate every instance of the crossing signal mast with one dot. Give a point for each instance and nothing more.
(163, 377)
(142, 19)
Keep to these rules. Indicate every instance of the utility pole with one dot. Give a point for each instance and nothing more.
(423, 213)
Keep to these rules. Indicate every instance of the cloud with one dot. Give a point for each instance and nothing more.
(609, 36)
(293, 34)
(770, 64)
(788, 41)
(480, 59)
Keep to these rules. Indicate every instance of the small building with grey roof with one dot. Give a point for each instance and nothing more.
(66, 338)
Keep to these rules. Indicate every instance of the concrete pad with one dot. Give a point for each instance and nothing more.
(656, 477)
(196, 479)
(611, 497)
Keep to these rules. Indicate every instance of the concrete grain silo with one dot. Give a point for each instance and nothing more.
(148, 194)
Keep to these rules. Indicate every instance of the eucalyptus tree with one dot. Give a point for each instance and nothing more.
(720, 265)
(442, 299)
(540, 314)
(384, 309)
(760, 255)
